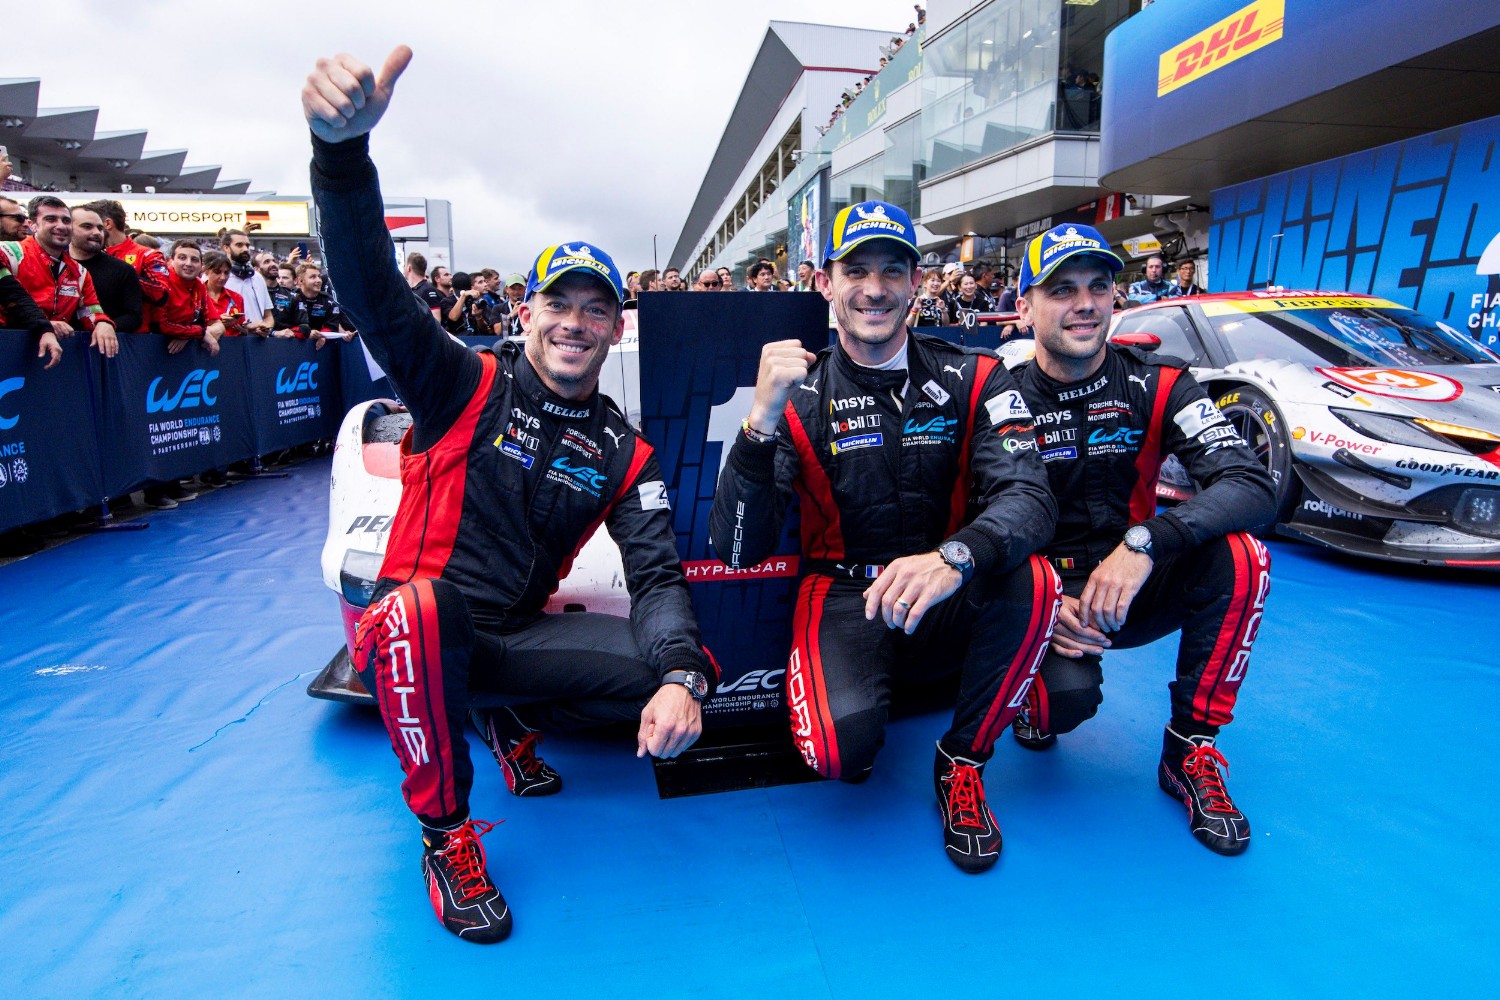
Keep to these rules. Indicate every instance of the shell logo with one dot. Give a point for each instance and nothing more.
(1298, 433)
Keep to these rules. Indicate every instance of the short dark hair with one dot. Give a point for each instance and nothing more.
(179, 244)
(417, 263)
(34, 206)
(757, 269)
(646, 278)
(215, 259)
(462, 282)
(228, 235)
(490, 274)
(672, 270)
(110, 211)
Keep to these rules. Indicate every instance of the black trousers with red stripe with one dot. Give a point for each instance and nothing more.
(419, 653)
(992, 633)
(1215, 594)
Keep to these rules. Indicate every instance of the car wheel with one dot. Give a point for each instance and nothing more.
(1253, 414)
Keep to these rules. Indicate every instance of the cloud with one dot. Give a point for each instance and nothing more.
(539, 122)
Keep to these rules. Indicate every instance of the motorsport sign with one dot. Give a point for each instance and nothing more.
(1251, 27)
(206, 218)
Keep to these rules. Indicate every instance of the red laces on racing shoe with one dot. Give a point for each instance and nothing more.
(1202, 765)
(525, 773)
(1190, 772)
(971, 836)
(465, 856)
(464, 898)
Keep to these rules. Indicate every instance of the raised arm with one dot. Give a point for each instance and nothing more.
(343, 100)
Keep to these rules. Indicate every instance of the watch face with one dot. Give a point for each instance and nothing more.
(1138, 538)
(956, 553)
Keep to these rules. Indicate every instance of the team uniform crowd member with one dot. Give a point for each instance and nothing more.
(314, 313)
(513, 461)
(56, 282)
(923, 498)
(183, 316)
(1106, 417)
(150, 264)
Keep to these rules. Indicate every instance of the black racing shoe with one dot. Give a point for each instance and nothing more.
(970, 833)
(515, 752)
(463, 897)
(1027, 734)
(1189, 772)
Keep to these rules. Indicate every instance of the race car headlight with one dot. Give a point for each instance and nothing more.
(357, 576)
(1471, 439)
(1478, 510)
(1397, 430)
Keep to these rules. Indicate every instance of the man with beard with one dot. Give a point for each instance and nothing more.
(115, 281)
(149, 263)
(524, 459)
(923, 498)
(248, 283)
(1108, 416)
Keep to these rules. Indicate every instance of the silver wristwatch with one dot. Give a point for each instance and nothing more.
(1138, 539)
(695, 682)
(957, 555)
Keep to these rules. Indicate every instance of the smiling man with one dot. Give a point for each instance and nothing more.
(922, 501)
(512, 462)
(1106, 417)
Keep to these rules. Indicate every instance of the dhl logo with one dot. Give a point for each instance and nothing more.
(1239, 34)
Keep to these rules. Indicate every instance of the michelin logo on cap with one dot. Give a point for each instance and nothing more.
(1046, 251)
(868, 220)
(556, 261)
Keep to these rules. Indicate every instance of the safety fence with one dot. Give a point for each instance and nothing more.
(92, 428)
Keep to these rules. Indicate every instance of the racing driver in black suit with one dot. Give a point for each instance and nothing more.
(922, 502)
(512, 462)
(1106, 417)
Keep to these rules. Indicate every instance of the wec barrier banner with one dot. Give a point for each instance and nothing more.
(699, 355)
(294, 391)
(167, 416)
(49, 461)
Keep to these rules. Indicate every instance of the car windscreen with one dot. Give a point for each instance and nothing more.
(1349, 336)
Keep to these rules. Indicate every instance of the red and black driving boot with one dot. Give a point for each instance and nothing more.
(464, 898)
(1190, 772)
(514, 749)
(970, 834)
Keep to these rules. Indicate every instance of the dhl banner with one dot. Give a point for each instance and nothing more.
(1248, 29)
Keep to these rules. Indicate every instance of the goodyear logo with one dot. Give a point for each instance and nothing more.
(1241, 33)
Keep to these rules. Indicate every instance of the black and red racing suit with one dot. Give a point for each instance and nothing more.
(502, 484)
(1103, 440)
(890, 464)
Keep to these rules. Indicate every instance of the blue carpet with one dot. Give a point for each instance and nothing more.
(181, 820)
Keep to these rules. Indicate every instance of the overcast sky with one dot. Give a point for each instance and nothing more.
(540, 122)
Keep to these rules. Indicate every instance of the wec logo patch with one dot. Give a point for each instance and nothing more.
(303, 379)
(192, 392)
(7, 387)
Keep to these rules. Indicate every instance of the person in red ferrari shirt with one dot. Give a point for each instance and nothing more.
(184, 314)
(61, 288)
(221, 304)
(150, 266)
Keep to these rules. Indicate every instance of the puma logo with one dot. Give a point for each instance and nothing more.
(614, 436)
(809, 388)
(959, 371)
(1140, 379)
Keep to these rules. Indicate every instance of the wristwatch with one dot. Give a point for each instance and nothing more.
(695, 682)
(957, 555)
(1138, 539)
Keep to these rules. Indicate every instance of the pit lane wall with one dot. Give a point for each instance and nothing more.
(92, 428)
(1417, 222)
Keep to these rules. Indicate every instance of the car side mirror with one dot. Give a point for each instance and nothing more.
(1145, 341)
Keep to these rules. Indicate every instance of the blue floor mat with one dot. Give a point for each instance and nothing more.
(181, 820)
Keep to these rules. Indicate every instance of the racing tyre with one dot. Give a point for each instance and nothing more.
(1253, 414)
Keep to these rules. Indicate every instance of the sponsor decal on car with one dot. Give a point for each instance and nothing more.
(1327, 439)
(1283, 301)
(1447, 469)
(1396, 383)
